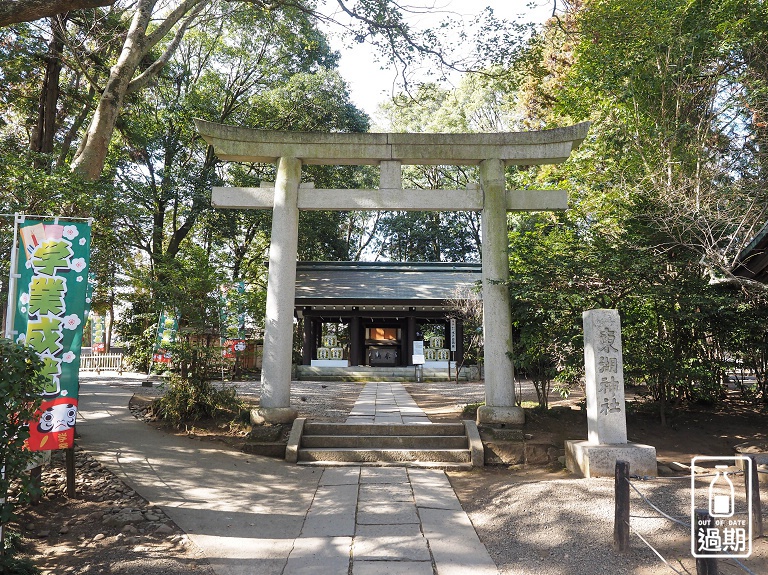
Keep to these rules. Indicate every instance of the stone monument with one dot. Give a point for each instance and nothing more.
(606, 415)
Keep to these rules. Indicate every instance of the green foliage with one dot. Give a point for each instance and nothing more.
(196, 399)
(663, 193)
(139, 343)
(21, 386)
(470, 410)
(10, 564)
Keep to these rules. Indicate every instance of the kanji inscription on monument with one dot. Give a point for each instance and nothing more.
(604, 371)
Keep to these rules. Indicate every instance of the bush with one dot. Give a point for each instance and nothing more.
(194, 399)
(21, 386)
(10, 564)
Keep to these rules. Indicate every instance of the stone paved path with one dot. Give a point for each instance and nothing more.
(255, 515)
(387, 520)
(386, 403)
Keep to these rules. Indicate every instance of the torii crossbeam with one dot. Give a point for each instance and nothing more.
(491, 152)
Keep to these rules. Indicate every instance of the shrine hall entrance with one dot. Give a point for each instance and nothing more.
(381, 314)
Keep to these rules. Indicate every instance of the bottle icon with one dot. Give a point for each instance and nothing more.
(721, 493)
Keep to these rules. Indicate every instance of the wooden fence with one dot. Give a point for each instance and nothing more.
(99, 362)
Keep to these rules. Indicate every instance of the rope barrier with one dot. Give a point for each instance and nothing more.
(652, 548)
(686, 477)
(644, 498)
(657, 516)
(727, 558)
(740, 564)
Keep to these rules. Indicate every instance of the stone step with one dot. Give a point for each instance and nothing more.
(379, 429)
(436, 445)
(444, 465)
(382, 374)
(386, 455)
(385, 441)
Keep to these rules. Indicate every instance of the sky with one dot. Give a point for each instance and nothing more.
(369, 86)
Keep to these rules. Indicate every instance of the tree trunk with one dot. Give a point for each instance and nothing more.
(92, 154)
(45, 129)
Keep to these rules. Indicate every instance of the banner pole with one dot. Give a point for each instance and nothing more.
(13, 276)
(154, 345)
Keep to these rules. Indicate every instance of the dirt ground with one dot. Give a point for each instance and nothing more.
(78, 536)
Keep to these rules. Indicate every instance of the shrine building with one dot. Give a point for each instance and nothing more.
(380, 309)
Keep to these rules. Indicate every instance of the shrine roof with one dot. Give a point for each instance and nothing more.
(391, 282)
(752, 262)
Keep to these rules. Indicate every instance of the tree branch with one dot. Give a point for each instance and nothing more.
(150, 40)
(30, 10)
(156, 67)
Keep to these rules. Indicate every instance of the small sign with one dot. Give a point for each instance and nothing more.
(453, 334)
(232, 347)
(418, 348)
(418, 359)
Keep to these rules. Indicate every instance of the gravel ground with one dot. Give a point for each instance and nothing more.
(106, 528)
(535, 521)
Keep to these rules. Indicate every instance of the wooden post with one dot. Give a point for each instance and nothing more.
(757, 511)
(621, 514)
(36, 478)
(307, 353)
(70, 463)
(705, 565)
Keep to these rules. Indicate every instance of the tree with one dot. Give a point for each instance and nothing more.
(467, 306)
(662, 194)
(253, 68)
(430, 236)
(674, 78)
(138, 64)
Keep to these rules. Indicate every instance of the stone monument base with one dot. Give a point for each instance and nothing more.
(489, 415)
(273, 415)
(592, 460)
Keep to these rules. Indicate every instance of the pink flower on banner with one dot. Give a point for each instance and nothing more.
(71, 322)
(68, 357)
(78, 264)
(24, 298)
(82, 241)
(70, 232)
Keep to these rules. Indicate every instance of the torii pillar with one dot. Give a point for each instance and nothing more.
(281, 292)
(497, 308)
(492, 152)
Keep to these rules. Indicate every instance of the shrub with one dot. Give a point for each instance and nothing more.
(21, 386)
(195, 399)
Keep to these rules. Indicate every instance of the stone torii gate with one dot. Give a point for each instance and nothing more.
(492, 152)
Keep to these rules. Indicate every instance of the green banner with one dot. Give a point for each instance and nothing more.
(232, 311)
(98, 333)
(51, 307)
(167, 327)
